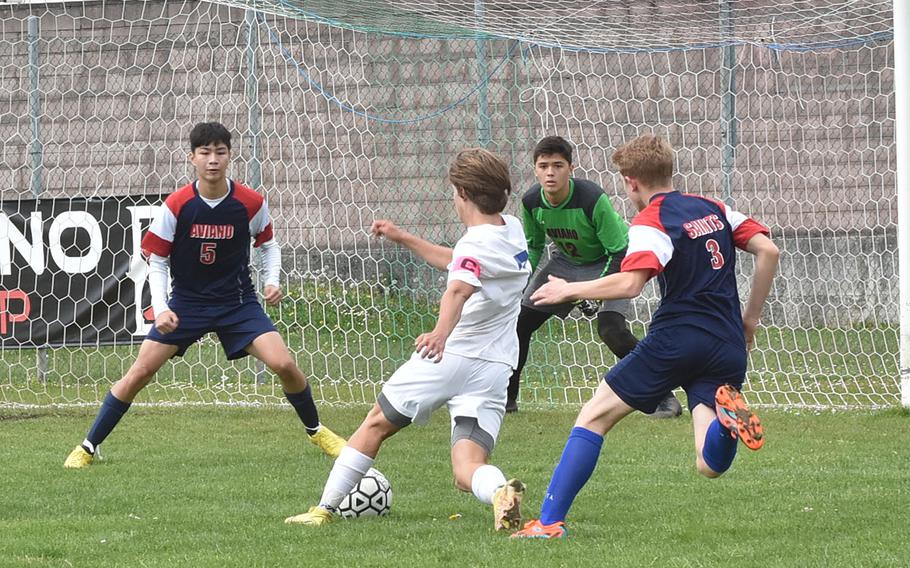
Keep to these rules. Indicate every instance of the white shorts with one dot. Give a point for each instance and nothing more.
(471, 388)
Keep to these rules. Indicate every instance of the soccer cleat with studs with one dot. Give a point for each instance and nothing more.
(79, 458)
(735, 416)
(315, 517)
(328, 441)
(507, 505)
(535, 529)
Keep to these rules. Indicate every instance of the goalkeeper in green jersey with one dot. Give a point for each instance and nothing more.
(590, 241)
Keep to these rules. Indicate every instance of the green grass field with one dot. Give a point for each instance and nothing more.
(211, 486)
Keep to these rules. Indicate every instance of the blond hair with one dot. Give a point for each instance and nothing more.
(648, 158)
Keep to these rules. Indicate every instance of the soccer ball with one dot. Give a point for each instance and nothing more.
(372, 497)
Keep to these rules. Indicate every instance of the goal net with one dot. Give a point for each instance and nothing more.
(343, 113)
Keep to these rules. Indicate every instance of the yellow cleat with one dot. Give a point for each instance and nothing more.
(315, 517)
(507, 505)
(328, 441)
(78, 459)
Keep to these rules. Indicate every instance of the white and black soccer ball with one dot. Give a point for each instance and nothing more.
(372, 497)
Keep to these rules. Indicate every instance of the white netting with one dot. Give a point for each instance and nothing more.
(343, 113)
(625, 25)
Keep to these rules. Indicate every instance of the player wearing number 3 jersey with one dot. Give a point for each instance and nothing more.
(698, 337)
(589, 239)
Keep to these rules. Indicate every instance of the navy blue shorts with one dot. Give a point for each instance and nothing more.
(681, 356)
(236, 325)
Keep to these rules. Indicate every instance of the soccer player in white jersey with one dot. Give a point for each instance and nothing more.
(465, 362)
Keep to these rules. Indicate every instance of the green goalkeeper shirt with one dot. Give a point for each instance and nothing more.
(584, 226)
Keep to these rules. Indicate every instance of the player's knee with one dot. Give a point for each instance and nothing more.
(285, 368)
(603, 411)
(463, 473)
(138, 376)
(615, 333)
(377, 425)
(462, 479)
(704, 469)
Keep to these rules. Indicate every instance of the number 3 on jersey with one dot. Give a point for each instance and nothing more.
(207, 253)
(717, 259)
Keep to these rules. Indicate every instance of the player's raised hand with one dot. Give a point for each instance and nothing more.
(555, 291)
(431, 345)
(387, 229)
(166, 322)
(272, 295)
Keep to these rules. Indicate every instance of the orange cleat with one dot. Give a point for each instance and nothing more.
(735, 415)
(534, 529)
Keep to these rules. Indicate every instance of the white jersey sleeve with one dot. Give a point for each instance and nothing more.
(466, 263)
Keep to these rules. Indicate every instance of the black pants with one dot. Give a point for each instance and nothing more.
(611, 327)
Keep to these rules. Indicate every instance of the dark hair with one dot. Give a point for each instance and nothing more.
(648, 158)
(553, 145)
(206, 133)
(483, 177)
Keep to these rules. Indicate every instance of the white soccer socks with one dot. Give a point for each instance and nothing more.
(485, 481)
(349, 469)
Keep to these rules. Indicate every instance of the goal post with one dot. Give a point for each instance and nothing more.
(902, 132)
(347, 112)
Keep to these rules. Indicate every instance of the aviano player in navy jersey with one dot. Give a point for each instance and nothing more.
(698, 338)
(201, 235)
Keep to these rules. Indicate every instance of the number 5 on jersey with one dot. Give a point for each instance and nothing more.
(207, 253)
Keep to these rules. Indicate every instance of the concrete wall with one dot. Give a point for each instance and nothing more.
(121, 83)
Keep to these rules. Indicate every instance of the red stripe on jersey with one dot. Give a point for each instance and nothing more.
(179, 198)
(642, 260)
(746, 230)
(153, 244)
(650, 215)
(467, 263)
(264, 237)
(249, 198)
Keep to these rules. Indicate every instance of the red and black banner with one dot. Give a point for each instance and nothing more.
(71, 272)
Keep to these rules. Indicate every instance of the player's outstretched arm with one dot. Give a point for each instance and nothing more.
(767, 256)
(437, 255)
(431, 345)
(613, 287)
